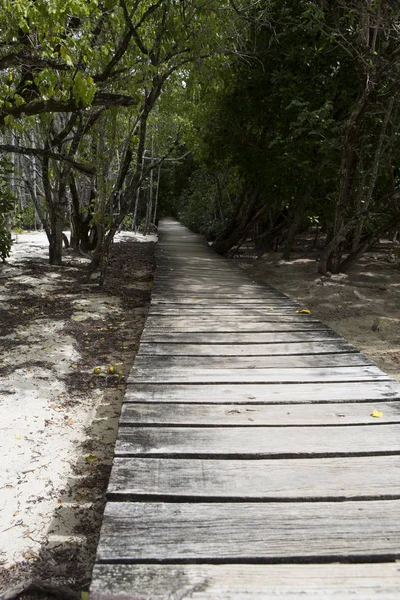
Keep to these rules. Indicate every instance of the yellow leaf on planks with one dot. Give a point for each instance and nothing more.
(304, 311)
(377, 414)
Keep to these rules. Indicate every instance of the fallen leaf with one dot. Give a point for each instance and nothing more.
(377, 414)
(17, 436)
(91, 458)
(304, 311)
(97, 370)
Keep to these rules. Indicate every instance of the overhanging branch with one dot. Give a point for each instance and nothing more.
(38, 107)
(85, 169)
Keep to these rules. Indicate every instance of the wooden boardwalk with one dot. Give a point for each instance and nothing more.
(248, 465)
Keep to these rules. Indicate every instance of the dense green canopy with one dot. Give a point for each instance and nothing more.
(247, 119)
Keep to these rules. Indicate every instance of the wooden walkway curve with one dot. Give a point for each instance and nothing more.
(248, 465)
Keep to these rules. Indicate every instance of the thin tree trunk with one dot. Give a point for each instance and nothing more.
(294, 226)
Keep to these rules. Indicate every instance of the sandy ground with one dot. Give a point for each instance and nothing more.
(58, 417)
(349, 303)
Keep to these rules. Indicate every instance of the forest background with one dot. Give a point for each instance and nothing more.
(247, 120)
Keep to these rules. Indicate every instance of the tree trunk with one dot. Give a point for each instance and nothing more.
(294, 226)
(332, 254)
(238, 225)
(329, 258)
(56, 239)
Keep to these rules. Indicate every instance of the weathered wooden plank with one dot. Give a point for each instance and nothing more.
(273, 375)
(276, 312)
(164, 364)
(355, 413)
(201, 317)
(267, 393)
(261, 442)
(156, 366)
(211, 292)
(369, 477)
(239, 286)
(277, 349)
(199, 276)
(215, 532)
(240, 338)
(224, 326)
(182, 299)
(246, 582)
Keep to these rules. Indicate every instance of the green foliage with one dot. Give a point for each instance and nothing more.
(25, 219)
(304, 104)
(196, 205)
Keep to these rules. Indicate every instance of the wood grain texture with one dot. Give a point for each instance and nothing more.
(258, 442)
(201, 317)
(237, 291)
(273, 375)
(167, 364)
(183, 300)
(211, 532)
(162, 327)
(272, 349)
(318, 335)
(259, 414)
(267, 393)
(306, 479)
(246, 582)
(272, 312)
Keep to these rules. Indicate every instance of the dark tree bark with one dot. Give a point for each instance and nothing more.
(237, 227)
(296, 218)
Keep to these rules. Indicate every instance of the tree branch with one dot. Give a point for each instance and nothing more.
(133, 29)
(28, 60)
(86, 170)
(38, 107)
(119, 53)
